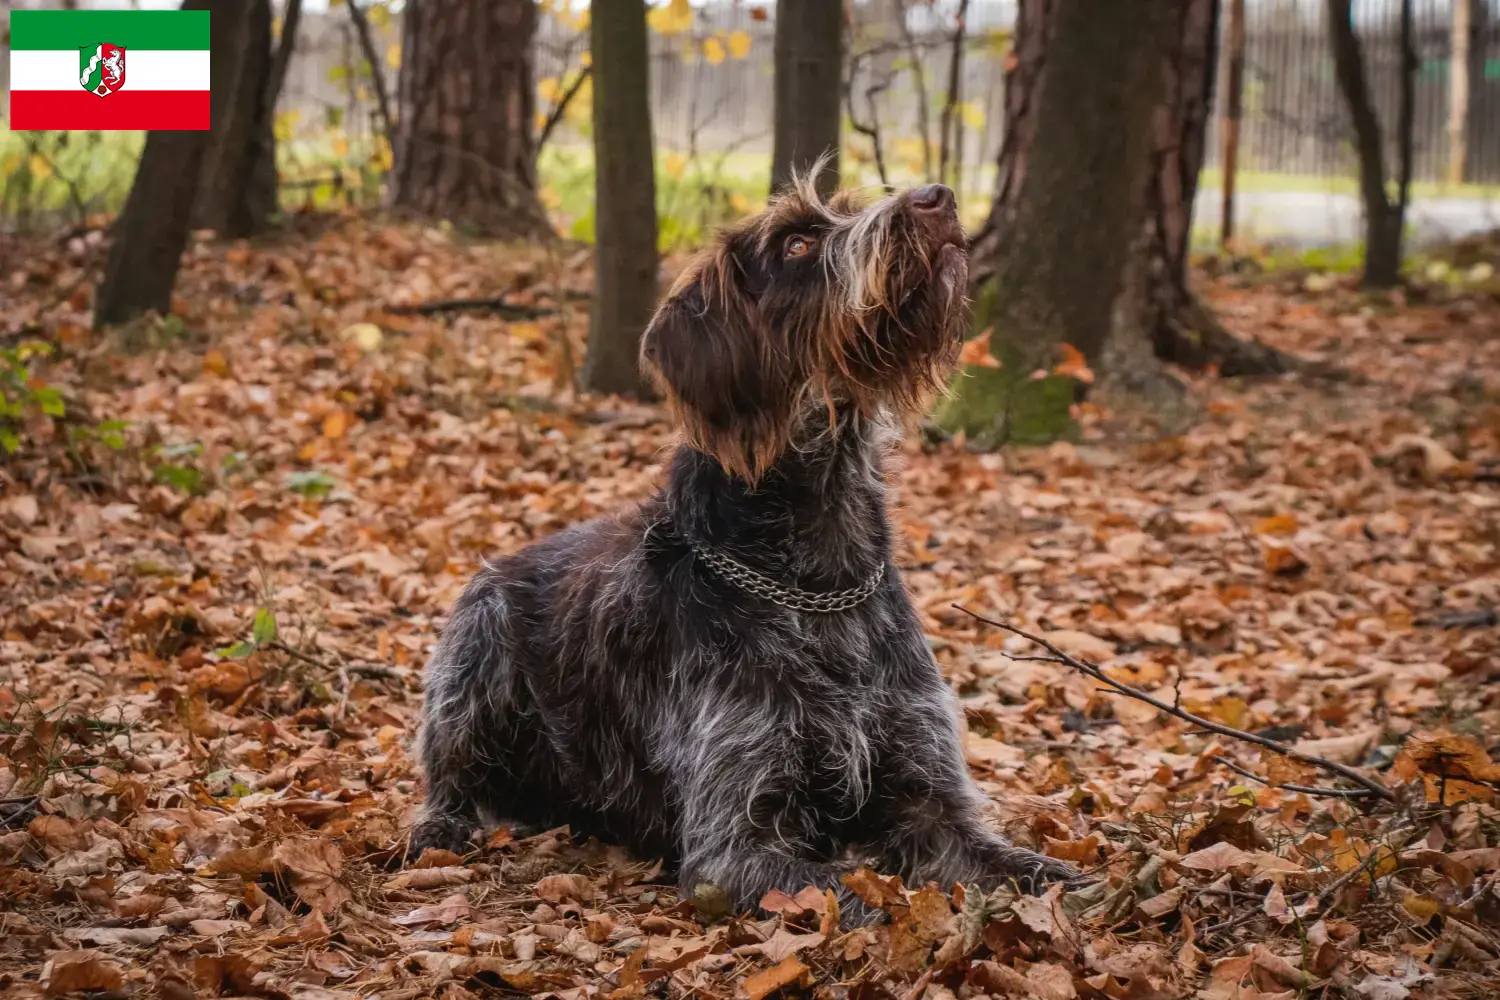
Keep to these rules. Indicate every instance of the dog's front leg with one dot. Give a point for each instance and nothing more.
(946, 842)
(936, 828)
(745, 825)
(747, 871)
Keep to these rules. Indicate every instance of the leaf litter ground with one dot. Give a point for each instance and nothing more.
(224, 568)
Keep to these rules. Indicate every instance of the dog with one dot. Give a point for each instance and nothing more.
(731, 675)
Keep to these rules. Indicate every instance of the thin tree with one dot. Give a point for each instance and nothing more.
(809, 55)
(237, 187)
(465, 104)
(1385, 217)
(625, 262)
(1086, 244)
(167, 193)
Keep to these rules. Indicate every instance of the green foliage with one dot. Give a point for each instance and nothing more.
(22, 394)
(313, 484)
(45, 175)
(178, 471)
(263, 633)
(694, 196)
(991, 407)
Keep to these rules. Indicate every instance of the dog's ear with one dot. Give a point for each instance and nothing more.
(723, 373)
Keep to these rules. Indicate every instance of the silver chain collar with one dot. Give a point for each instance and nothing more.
(737, 573)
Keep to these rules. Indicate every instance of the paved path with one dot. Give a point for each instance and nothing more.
(1312, 218)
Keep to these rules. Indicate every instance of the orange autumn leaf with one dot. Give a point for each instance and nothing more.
(788, 971)
(1073, 364)
(1278, 524)
(976, 351)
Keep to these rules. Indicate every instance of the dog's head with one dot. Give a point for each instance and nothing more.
(811, 303)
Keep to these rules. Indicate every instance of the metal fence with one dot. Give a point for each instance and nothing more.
(711, 84)
(1294, 119)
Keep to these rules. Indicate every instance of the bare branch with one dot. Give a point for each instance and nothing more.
(377, 76)
(561, 107)
(1337, 793)
(950, 128)
(283, 57)
(1372, 787)
(872, 128)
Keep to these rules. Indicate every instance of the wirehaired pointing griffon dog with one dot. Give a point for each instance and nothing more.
(731, 674)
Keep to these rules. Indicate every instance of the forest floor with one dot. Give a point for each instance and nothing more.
(224, 566)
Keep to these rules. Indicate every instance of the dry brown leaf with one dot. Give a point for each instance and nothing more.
(767, 981)
(77, 971)
(315, 866)
(431, 878)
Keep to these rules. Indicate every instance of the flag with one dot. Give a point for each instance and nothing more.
(109, 69)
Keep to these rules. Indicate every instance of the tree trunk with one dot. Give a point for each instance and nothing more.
(465, 103)
(152, 230)
(625, 264)
(1229, 119)
(1087, 241)
(1458, 89)
(1385, 220)
(1080, 95)
(1180, 329)
(809, 81)
(232, 198)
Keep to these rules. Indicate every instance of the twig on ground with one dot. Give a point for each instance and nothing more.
(1337, 793)
(1372, 787)
(1482, 618)
(363, 669)
(1249, 538)
(497, 304)
(17, 810)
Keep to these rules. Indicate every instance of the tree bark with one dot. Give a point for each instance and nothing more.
(625, 262)
(1087, 241)
(465, 109)
(152, 230)
(1179, 327)
(168, 194)
(233, 197)
(1385, 219)
(809, 54)
(1073, 168)
(1458, 90)
(1229, 120)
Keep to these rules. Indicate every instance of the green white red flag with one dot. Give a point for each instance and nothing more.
(109, 69)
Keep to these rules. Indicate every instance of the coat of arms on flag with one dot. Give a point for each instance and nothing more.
(101, 68)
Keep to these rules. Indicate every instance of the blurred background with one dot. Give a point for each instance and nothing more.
(711, 69)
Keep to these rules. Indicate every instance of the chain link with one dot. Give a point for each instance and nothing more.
(745, 578)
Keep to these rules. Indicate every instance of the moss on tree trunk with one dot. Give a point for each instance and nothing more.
(1080, 97)
(1087, 241)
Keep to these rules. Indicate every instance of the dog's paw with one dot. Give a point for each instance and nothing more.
(1043, 871)
(443, 833)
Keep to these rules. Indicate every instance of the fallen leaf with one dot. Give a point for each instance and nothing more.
(77, 971)
(768, 981)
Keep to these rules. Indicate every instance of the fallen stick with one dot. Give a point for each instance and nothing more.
(1337, 793)
(1369, 785)
(496, 304)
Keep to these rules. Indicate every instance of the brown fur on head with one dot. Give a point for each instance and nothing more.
(810, 303)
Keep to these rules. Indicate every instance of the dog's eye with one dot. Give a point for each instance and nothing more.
(797, 246)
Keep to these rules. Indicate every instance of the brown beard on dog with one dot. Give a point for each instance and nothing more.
(809, 303)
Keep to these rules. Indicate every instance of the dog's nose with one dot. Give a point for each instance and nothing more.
(933, 198)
